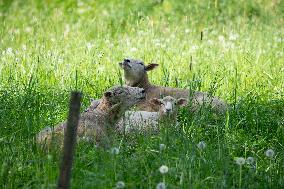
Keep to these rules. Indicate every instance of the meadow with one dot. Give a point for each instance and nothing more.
(232, 49)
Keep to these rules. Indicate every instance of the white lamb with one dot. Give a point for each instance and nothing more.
(148, 122)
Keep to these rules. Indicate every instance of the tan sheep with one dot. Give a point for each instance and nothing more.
(94, 123)
(148, 122)
(135, 74)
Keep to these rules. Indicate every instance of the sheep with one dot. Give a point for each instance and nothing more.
(148, 122)
(94, 123)
(135, 74)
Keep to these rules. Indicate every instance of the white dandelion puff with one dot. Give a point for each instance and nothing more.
(67, 30)
(157, 44)
(233, 37)
(81, 10)
(101, 54)
(269, 153)
(120, 184)
(161, 185)
(89, 46)
(201, 145)
(24, 47)
(9, 51)
(221, 38)
(240, 161)
(163, 169)
(250, 160)
(28, 29)
(210, 42)
(186, 31)
(162, 147)
(194, 47)
(133, 49)
(114, 151)
(60, 60)
(80, 3)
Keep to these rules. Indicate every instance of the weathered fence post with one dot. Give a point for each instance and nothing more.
(69, 141)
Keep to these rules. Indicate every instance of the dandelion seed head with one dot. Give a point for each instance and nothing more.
(201, 145)
(133, 49)
(221, 38)
(194, 47)
(187, 31)
(240, 161)
(80, 3)
(162, 147)
(9, 51)
(81, 10)
(28, 29)
(210, 42)
(250, 160)
(163, 169)
(67, 30)
(115, 150)
(120, 184)
(60, 60)
(233, 37)
(24, 47)
(269, 153)
(161, 185)
(89, 46)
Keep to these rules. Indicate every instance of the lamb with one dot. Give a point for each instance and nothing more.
(94, 123)
(148, 122)
(135, 74)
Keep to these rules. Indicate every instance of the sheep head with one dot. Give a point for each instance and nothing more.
(168, 105)
(135, 71)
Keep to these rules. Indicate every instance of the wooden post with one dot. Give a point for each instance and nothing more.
(70, 134)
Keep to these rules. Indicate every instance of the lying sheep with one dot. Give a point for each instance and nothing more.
(93, 124)
(135, 74)
(148, 122)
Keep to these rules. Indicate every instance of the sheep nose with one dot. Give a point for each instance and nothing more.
(127, 60)
(168, 110)
(143, 91)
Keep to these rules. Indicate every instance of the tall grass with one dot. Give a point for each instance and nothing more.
(48, 48)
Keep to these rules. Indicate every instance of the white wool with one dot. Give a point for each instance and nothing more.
(145, 122)
(138, 121)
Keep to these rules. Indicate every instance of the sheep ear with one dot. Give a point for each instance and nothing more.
(151, 66)
(108, 94)
(181, 102)
(156, 101)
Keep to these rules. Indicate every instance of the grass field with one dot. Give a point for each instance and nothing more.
(240, 59)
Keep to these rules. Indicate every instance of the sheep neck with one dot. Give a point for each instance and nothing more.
(143, 83)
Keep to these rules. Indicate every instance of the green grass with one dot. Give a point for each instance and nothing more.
(240, 59)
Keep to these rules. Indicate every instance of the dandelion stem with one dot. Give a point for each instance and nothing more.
(240, 179)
